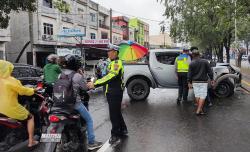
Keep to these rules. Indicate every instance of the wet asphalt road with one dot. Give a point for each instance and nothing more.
(159, 125)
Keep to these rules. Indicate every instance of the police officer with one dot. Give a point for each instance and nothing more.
(182, 65)
(114, 93)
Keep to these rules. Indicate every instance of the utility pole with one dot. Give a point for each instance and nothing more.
(111, 27)
(32, 38)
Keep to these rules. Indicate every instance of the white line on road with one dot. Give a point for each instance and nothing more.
(104, 147)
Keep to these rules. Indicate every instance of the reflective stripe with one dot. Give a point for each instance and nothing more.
(114, 68)
(182, 64)
(107, 87)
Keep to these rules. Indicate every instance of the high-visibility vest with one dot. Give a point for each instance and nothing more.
(182, 63)
(114, 78)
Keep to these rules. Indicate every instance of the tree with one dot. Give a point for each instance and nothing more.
(6, 6)
(208, 23)
(244, 31)
(62, 6)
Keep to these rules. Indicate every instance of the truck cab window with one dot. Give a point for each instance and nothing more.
(166, 57)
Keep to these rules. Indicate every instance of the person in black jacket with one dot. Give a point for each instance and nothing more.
(198, 75)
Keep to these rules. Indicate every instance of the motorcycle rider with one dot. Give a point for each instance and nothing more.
(9, 106)
(51, 72)
(72, 63)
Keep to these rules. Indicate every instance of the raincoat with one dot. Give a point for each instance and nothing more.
(10, 87)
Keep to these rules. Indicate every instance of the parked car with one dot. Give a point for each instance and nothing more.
(27, 74)
(159, 72)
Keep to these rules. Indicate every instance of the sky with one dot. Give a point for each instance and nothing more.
(149, 9)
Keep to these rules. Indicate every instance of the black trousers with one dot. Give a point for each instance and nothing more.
(116, 118)
(49, 89)
(183, 85)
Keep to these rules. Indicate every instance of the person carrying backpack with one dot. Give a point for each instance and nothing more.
(67, 94)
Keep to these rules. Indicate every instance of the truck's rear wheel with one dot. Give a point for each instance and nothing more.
(138, 89)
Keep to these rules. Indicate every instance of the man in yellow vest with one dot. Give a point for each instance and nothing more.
(114, 93)
(182, 65)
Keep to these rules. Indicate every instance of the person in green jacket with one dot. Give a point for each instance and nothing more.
(51, 72)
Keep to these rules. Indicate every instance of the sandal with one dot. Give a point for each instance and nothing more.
(200, 113)
(35, 143)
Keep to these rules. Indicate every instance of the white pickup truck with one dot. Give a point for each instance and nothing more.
(158, 71)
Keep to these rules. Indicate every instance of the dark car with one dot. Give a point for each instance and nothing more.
(27, 74)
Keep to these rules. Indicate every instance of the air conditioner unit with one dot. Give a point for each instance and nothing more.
(44, 37)
(47, 37)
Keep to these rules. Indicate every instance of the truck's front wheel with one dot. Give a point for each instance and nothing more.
(224, 89)
(138, 89)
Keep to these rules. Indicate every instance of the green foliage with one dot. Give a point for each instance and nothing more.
(62, 6)
(6, 6)
(206, 23)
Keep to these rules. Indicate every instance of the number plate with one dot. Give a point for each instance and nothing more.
(51, 138)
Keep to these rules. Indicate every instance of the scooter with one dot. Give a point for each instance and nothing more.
(13, 135)
(66, 133)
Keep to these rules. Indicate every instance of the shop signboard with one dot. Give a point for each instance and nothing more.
(72, 32)
(65, 51)
(95, 41)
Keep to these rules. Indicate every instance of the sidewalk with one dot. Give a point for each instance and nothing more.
(245, 71)
(245, 77)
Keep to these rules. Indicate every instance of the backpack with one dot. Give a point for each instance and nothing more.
(63, 92)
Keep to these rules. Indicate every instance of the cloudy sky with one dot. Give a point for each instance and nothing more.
(148, 9)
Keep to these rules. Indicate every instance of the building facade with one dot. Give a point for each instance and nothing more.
(4, 38)
(122, 22)
(36, 35)
(92, 30)
(46, 23)
(117, 34)
(160, 41)
(141, 31)
(104, 23)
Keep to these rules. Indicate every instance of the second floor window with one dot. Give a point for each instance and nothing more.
(104, 35)
(47, 29)
(47, 3)
(81, 13)
(92, 36)
(92, 17)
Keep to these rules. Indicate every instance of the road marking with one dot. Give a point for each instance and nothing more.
(245, 90)
(105, 146)
(245, 82)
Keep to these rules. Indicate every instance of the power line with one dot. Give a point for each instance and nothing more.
(137, 16)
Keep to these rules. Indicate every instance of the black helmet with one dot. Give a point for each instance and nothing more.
(73, 62)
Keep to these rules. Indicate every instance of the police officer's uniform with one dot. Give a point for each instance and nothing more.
(182, 65)
(114, 93)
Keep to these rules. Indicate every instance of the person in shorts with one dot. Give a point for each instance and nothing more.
(198, 76)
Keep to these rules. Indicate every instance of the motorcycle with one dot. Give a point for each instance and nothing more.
(14, 136)
(66, 133)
